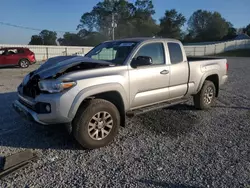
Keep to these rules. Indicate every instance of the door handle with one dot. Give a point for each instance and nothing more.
(164, 72)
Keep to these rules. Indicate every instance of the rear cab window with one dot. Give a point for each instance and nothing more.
(175, 52)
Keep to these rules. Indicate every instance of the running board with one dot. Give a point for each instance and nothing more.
(155, 107)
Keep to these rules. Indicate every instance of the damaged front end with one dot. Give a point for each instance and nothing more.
(44, 79)
(42, 92)
(30, 88)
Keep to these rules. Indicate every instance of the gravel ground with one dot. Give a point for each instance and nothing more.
(176, 147)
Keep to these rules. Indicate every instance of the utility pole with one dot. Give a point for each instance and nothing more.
(113, 28)
(113, 25)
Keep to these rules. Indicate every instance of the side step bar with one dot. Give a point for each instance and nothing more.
(155, 107)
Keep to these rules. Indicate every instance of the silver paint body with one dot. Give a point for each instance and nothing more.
(138, 87)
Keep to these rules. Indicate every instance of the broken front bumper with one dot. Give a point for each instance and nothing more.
(26, 112)
(35, 109)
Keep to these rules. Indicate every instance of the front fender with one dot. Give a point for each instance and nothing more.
(97, 89)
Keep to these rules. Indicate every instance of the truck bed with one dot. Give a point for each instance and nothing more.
(201, 58)
(200, 66)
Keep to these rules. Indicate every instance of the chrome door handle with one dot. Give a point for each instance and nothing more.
(164, 72)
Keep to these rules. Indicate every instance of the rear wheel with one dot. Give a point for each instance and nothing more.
(96, 123)
(24, 63)
(206, 96)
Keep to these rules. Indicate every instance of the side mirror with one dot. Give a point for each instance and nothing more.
(141, 61)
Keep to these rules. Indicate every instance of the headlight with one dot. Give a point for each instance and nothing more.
(53, 86)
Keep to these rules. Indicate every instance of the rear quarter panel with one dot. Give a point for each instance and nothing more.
(200, 70)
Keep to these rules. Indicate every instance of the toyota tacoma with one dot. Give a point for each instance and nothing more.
(115, 80)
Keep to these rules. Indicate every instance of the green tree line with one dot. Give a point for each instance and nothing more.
(136, 20)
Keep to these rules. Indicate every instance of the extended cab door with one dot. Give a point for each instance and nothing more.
(149, 83)
(179, 70)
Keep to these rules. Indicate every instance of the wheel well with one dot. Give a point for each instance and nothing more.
(115, 98)
(215, 79)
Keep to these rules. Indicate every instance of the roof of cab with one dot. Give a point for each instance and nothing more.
(141, 39)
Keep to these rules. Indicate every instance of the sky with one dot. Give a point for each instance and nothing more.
(64, 15)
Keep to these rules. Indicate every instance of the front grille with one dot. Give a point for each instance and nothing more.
(31, 89)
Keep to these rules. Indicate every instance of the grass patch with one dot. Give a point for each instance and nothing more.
(236, 53)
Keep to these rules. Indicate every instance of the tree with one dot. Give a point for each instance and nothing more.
(145, 7)
(171, 24)
(93, 39)
(131, 19)
(143, 23)
(70, 39)
(188, 37)
(248, 29)
(207, 26)
(232, 32)
(36, 40)
(82, 38)
(240, 30)
(99, 19)
(45, 37)
(49, 37)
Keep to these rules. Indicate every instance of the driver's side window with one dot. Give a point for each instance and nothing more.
(153, 50)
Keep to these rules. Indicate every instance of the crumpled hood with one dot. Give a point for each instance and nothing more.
(59, 64)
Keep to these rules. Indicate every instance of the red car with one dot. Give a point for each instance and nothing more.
(22, 57)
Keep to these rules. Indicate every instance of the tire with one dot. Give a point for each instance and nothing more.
(24, 63)
(85, 124)
(206, 96)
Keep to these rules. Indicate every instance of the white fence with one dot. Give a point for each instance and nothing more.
(45, 52)
(212, 49)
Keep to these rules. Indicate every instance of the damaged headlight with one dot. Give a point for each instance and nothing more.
(53, 86)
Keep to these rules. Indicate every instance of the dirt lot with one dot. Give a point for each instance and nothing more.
(176, 147)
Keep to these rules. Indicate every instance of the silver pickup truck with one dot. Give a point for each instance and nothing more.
(116, 79)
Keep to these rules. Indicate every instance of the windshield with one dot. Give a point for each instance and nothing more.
(114, 52)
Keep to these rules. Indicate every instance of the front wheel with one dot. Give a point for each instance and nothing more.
(96, 123)
(206, 96)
